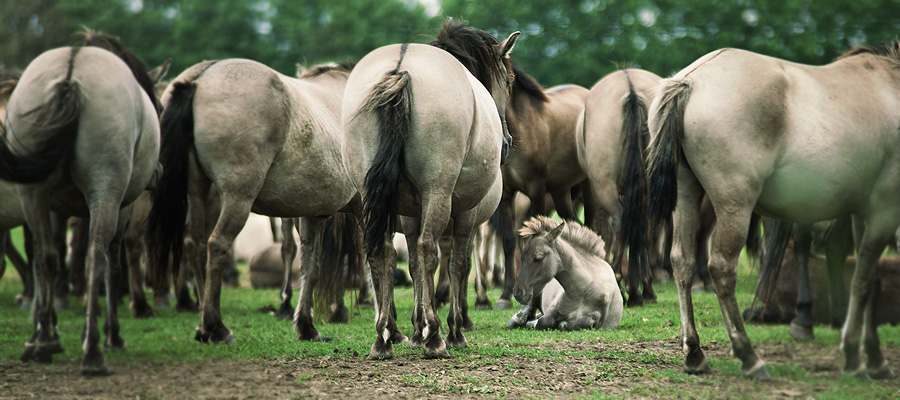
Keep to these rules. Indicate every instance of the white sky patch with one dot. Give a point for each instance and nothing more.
(432, 7)
(135, 6)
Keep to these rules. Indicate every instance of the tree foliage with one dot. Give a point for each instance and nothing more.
(565, 41)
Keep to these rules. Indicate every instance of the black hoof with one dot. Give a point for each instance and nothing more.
(142, 310)
(503, 304)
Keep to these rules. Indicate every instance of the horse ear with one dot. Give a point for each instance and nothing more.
(156, 74)
(508, 44)
(557, 231)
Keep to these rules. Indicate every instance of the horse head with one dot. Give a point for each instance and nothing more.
(540, 259)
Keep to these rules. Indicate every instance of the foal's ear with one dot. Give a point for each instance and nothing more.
(508, 44)
(156, 74)
(556, 231)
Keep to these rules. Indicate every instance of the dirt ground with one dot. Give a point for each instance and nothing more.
(462, 377)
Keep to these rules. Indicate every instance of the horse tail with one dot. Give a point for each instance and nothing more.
(391, 102)
(633, 180)
(166, 222)
(55, 122)
(754, 239)
(777, 236)
(665, 150)
(338, 244)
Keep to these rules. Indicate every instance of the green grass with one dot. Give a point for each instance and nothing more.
(261, 337)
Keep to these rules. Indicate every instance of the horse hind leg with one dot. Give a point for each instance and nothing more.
(482, 248)
(44, 341)
(435, 216)
(728, 240)
(460, 265)
(114, 340)
(288, 253)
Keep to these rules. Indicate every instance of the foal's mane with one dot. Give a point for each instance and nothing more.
(474, 48)
(138, 69)
(316, 70)
(889, 49)
(577, 235)
(8, 82)
(527, 85)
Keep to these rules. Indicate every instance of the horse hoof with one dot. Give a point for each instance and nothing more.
(417, 341)
(60, 304)
(802, 333)
(484, 306)
(457, 343)
(380, 351)
(759, 372)
(440, 352)
(143, 312)
(95, 371)
(514, 324)
(883, 372)
(698, 366)
(186, 307)
(503, 304)
(285, 311)
(860, 374)
(399, 338)
(116, 344)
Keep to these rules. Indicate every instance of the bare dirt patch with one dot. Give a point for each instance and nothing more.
(636, 370)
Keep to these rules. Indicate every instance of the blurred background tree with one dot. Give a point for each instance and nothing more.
(565, 41)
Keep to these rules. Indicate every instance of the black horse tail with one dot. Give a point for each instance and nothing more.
(339, 249)
(166, 222)
(777, 237)
(754, 239)
(391, 101)
(55, 122)
(633, 180)
(665, 150)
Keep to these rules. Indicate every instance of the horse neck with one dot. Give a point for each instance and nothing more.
(574, 273)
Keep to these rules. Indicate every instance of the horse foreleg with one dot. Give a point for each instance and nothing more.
(802, 325)
(183, 300)
(442, 292)
(508, 236)
(311, 229)
(871, 244)
(482, 248)
(134, 249)
(23, 267)
(838, 245)
(288, 252)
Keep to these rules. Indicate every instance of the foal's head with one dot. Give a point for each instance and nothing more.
(540, 257)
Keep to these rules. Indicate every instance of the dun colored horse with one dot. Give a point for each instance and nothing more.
(564, 263)
(611, 140)
(81, 138)
(424, 137)
(795, 142)
(266, 143)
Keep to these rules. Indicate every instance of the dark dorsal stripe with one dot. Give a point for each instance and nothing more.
(527, 85)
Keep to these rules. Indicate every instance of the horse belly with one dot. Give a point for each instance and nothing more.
(807, 191)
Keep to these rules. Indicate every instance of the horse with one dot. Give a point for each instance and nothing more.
(794, 142)
(835, 238)
(70, 157)
(543, 159)
(267, 143)
(611, 138)
(424, 137)
(564, 263)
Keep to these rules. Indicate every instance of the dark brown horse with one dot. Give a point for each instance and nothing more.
(542, 160)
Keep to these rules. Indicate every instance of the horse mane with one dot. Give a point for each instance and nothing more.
(889, 49)
(527, 85)
(474, 48)
(576, 234)
(8, 82)
(138, 69)
(316, 70)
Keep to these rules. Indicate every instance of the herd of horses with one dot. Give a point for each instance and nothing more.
(440, 137)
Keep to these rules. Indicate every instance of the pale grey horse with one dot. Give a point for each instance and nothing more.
(263, 142)
(564, 262)
(82, 138)
(424, 138)
(795, 142)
